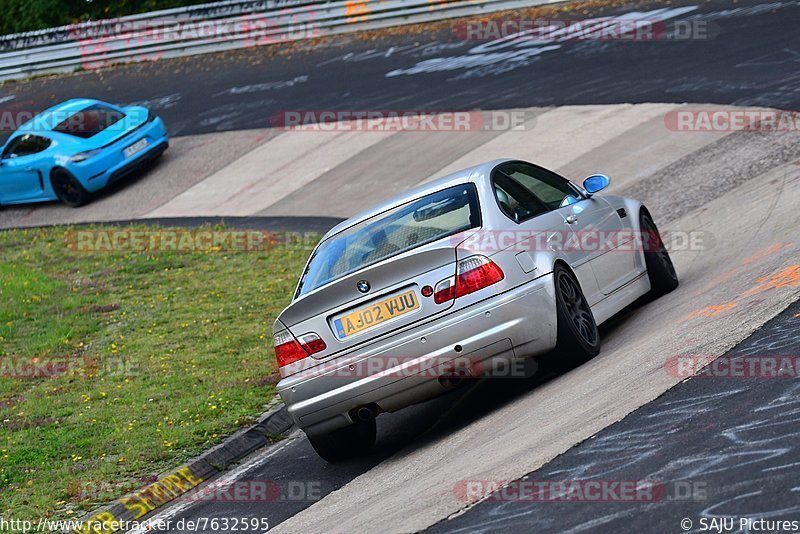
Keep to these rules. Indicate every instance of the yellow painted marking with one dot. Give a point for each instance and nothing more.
(161, 492)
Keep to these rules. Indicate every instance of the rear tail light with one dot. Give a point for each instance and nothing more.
(475, 273)
(287, 349)
(472, 274)
(312, 343)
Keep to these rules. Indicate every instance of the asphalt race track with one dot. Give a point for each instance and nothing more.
(587, 107)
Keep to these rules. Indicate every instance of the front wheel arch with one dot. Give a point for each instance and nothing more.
(644, 211)
(660, 269)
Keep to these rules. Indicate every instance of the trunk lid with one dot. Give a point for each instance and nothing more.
(345, 317)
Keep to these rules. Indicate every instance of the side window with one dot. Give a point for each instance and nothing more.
(517, 201)
(549, 187)
(11, 148)
(26, 145)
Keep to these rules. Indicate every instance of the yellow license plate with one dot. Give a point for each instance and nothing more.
(375, 314)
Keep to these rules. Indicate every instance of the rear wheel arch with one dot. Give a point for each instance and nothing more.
(561, 262)
(76, 196)
(57, 169)
(571, 346)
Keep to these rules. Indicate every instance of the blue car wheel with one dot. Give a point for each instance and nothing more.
(68, 189)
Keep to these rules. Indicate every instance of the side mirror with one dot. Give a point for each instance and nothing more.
(595, 183)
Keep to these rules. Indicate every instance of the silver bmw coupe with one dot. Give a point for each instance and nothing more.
(473, 275)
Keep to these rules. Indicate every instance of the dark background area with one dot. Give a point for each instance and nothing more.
(26, 15)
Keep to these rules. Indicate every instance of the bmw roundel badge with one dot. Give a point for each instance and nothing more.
(363, 286)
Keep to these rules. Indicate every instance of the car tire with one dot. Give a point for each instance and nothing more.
(578, 337)
(68, 189)
(660, 269)
(346, 443)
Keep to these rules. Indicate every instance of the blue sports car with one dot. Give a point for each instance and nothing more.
(76, 148)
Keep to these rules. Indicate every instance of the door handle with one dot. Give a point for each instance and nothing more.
(571, 219)
(28, 169)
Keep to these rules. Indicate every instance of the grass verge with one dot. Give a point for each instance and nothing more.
(116, 366)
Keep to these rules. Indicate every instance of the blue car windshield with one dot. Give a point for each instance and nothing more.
(392, 232)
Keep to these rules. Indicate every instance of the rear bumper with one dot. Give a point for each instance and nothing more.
(111, 165)
(496, 336)
(141, 161)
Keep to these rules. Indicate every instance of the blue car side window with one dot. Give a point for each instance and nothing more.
(26, 145)
(9, 150)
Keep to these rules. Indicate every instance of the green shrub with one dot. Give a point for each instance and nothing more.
(25, 15)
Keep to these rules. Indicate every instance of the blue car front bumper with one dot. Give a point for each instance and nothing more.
(112, 165)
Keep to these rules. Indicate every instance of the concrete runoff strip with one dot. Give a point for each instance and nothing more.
(185, 480)
(269, 173)
(691, 181)
(626, 159)
(555, 137)
(749, 276)
(338, 173)
(378, 172)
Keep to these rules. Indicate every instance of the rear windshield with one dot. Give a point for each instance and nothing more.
(90, 121)
(407, 226)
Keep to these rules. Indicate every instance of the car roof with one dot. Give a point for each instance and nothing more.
(52, 116)
(470, 174)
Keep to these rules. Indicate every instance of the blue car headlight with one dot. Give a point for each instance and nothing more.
(82, 156)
